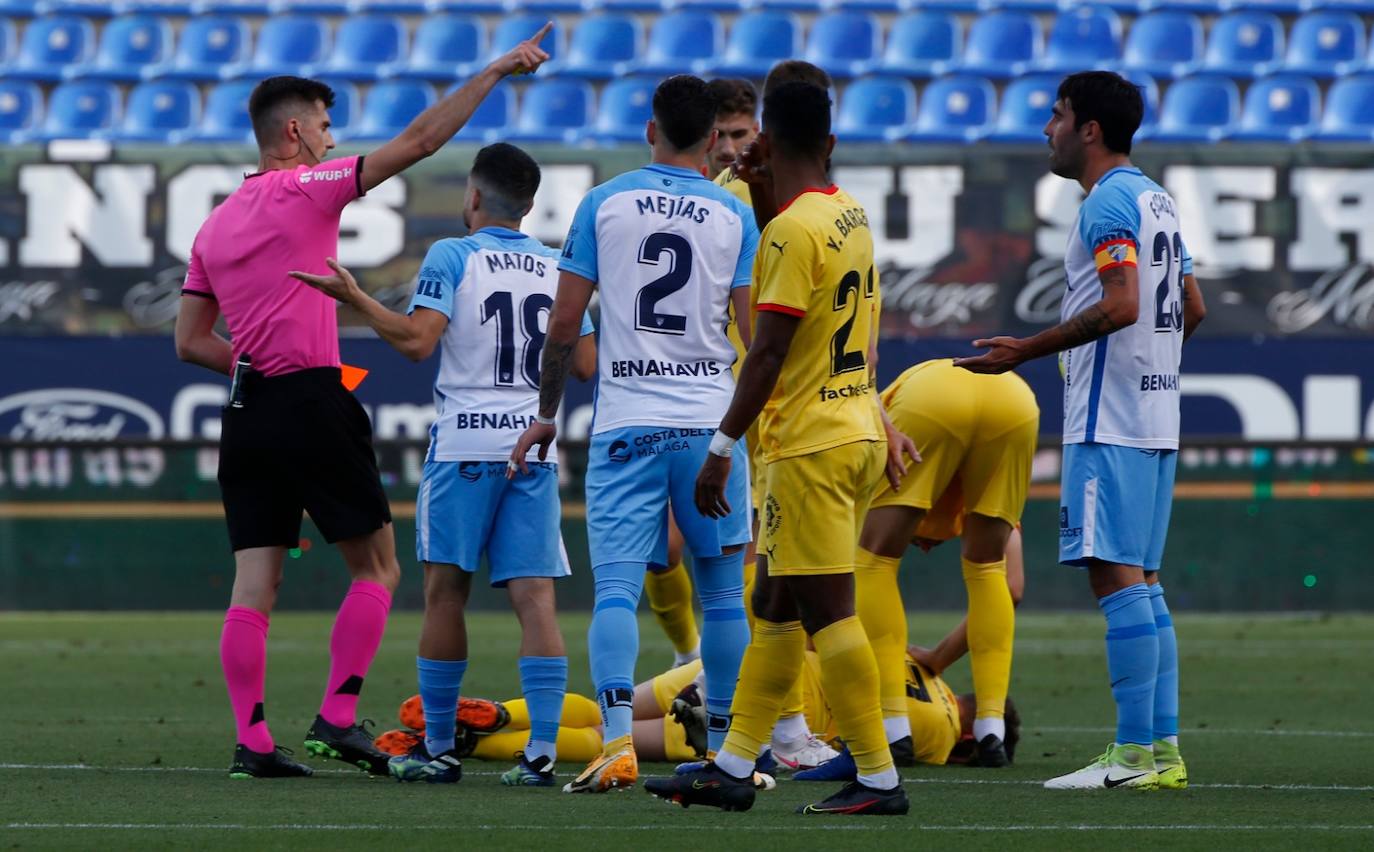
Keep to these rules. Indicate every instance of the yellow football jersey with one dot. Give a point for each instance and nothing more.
(739, 189)
(815, 262)
(736, 187)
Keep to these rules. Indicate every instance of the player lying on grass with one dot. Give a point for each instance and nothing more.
(941, 722)
(480, 299)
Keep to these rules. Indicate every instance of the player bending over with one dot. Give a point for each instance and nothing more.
(1121, 345)
(823, 442)
(480, 299)
(669, 251)
(293, 437)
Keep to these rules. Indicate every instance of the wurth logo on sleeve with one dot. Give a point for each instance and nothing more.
(326, 174)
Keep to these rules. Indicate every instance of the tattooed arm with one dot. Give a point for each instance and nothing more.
(565, 327)
(1119, 307)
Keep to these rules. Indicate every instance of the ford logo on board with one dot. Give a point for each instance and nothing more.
(76, 414)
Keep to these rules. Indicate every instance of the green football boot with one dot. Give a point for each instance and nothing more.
(1173, 775)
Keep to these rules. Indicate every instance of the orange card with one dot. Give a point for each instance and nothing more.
(351, 376)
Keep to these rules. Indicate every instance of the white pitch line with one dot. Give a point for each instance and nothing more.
(82, 767)
(743, 827)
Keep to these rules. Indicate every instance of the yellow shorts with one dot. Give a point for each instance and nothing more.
(976, 435)
(814, 507)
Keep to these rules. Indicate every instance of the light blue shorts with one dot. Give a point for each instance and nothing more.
(635, 472)
(1114, 504)
(469, 509)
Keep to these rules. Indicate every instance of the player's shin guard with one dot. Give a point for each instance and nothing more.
(669, 591)
(725, 635)
(613, 642)
(991, 627)
(849, 677)
(878, 601)
(1132, 662)
(441, 681)
(770, 666)
(1166, 679)
(357, 633)
(243, 656)
(543, 680)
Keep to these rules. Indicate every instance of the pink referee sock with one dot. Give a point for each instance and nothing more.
(352, 645)
(243, 656)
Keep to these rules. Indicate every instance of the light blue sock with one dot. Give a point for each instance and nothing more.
(724, 636)
(1132, 661)
(1166, 681)
(440, 681)
(613, 642)
(543, 681)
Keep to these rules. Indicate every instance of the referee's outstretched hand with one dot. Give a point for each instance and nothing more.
(536, 433)
(525, 57)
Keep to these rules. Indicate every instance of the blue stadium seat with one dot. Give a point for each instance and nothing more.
(467, 7)
(1082, 38)
(18, 8)
(128, 46)
(1025, 109)
(1193, 7)
(1164, 44)
(310, 7)
(159, 112)
(516, 28)
(391, 105)
(787, 5)
(758, 41)
(365, 48)
(601, 47)
(1001, 44)
(1149, 92)
(1244, 44)
(1349, 115)
(884, 7)
(922, 44)
(1325, 44)
(392, 7)
(1281, 108)
(553, 7)
(254, 8)
(287, 44)
(21, 109)
(678, 40)
(50, 46)
(1198, 109)
(632, 5)
(491, 118)
(9, 41)
(876, 109)
(79, 110)
(209, 44)
(844, 43)
(225, 117)
(84, 8)
(955, 109)
(347, 106)
(953, 5)
(554, 111)
(1026, 5)
(166, 8)
(446, 47)
(1277, 7)
(713, 5)
(626, 104)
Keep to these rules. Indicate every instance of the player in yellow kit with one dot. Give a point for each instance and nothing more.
(823, 444)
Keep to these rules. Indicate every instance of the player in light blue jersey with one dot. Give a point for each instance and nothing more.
(1121, 343)
(670, 252)
(485, 300)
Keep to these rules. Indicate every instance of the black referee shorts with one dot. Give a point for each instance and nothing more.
(301, 442)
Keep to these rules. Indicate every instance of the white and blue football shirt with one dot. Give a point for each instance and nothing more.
(665, 246)
(1123, 387)
(496, 287)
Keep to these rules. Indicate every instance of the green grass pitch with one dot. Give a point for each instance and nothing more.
(117, 736)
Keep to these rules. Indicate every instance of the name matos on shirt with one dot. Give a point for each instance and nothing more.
(496, 287)
(276, 221)
(665, 247)
(1123, 388)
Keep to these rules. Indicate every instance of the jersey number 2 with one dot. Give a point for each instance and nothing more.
(841, 359)
(651, 251)
(500, 306)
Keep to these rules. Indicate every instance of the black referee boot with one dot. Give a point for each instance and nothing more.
(276, 763)
(352, 745)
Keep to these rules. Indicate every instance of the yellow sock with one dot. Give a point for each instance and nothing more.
(849, 677)
(878, 600)
(771, 665)
(991, 627)
(749, 568)
(793, 704)
(576, 745)
(670, 598)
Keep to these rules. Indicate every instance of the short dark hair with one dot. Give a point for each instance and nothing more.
(684, 110)
(508, 178)
(275, 92)
(796, 116)
(734, 96)
(796, 71)
(1109, 99)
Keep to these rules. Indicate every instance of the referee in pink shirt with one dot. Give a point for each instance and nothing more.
(294, 438)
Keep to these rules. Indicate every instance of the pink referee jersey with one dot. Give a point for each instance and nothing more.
(275, 222)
